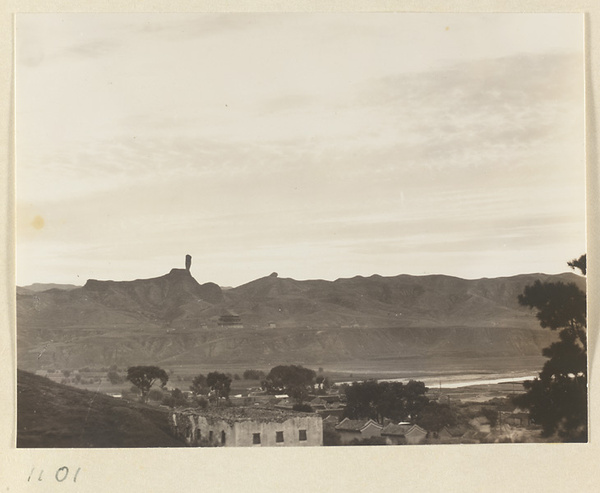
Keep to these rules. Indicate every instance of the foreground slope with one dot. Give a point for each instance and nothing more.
(54, 415)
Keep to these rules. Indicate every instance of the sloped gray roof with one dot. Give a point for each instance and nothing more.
(354, 424)
(397, 430)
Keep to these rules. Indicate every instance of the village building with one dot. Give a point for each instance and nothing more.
(230, 320)
(517, 417)
(403, 434)
(284, 403)
(357, 429)
(481, 424)
(452, 434)
(328, 405)
(330, 422)
(318, 403)
(247, 427)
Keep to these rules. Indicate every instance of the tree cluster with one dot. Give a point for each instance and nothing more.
(199, 385)
(219, 384)
(254, 375)
(392, 400)
(175, 398)
(295, 381)
(434, 416)
(215, 383)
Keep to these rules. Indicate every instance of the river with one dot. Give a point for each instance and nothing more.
(457, 381)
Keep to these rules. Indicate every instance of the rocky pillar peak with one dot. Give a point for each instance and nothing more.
(188, 262)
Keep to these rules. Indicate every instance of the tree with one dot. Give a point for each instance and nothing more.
(114, 377)
(199, 385)
(220, 384)
(380, 400)
(143, 377)
(435, 416)
(557, 398)
(296, 381)
(579, 263)
(253, 375)
(175, 398)
(361, 400)
(414, 399)
(492, 416)
(304, 408)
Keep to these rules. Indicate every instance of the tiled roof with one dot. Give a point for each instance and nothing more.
(416, 429)
(399, 430)
(237, 414)
(354, 424)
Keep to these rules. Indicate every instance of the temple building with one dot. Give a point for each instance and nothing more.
(231, 320)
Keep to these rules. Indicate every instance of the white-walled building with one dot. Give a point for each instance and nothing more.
(248, 427)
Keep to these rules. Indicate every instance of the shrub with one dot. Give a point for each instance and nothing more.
(175, 398)
(254, 375)
(200, 402)
(156, 395)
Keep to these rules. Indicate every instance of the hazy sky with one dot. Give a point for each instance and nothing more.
(317, 146)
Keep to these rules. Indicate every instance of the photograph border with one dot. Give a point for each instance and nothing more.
(460, 468)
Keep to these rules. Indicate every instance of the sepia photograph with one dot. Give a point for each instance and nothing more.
(300, 230)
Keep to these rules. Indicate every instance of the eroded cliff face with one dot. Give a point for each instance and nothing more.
(265, 347)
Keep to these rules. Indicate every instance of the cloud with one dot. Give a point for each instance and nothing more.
(472, 113)
(248, 139)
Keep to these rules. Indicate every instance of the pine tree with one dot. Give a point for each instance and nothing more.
(557, 399)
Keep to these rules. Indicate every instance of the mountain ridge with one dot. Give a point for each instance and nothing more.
(175, 318)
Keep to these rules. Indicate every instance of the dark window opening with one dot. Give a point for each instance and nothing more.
(210, 436)
(279, 436)
(302, 435)
(223, 437)
(255, 438)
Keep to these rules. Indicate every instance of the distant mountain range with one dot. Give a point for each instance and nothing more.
(175, 319)
(38, 287)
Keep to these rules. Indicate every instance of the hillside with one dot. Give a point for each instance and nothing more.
(57, 416)
(175, 319)
(376, 301)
